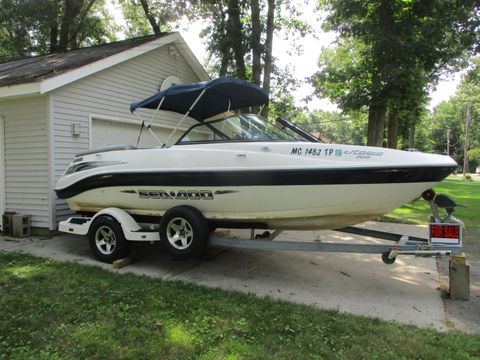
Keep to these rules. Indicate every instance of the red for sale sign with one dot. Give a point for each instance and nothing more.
(445, 234)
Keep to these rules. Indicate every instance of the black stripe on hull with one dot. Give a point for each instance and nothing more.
(260, 178)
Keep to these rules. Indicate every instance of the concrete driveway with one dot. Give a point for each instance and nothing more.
(407, 291)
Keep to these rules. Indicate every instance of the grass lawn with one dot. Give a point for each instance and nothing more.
(463, 192)
(52, 310)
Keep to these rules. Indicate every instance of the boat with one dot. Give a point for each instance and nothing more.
(240, 170)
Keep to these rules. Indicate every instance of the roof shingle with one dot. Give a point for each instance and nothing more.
(42, 67)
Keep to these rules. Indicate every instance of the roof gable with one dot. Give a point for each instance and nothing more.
(55, 70)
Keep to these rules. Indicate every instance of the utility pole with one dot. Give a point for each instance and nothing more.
(465, 148)
(448, 141)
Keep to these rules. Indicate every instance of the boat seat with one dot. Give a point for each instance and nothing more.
(107, 148)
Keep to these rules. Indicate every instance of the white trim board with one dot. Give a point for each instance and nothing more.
(2, 167)
(19, 90)
(51, 162)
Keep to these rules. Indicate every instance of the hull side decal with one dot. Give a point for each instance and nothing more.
(259, 178)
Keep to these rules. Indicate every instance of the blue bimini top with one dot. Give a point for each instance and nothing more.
(220, 95)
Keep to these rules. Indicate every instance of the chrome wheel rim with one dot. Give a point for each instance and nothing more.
(105, 240)
(179, 233)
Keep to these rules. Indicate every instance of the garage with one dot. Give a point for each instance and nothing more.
(109, 132)
(55, 106)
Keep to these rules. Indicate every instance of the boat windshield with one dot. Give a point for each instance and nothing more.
(240, 127)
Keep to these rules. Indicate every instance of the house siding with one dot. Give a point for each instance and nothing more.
(107, 95)
(26, 157)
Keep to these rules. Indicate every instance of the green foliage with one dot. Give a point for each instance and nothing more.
(34, 27)
(53, 310)
(474, 154)
(218, 40)
(342, 128)
(422, 140)
(282, 101)
(449, 117)
(344, 75)
(165, 13)
(390, 51)
(464, 193)
(233, 46)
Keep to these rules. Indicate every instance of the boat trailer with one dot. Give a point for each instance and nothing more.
(436, 244)
(445, 239)
(402, 244)
(445, 235)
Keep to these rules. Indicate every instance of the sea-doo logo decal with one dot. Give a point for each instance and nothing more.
(177, 195)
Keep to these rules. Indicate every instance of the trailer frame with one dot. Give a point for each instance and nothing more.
(401, 244)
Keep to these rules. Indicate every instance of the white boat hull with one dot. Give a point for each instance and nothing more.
(278, 207)
(278, 185)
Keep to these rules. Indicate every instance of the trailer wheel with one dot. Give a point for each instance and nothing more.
(107, 240)
(184, 231)
(386, 259)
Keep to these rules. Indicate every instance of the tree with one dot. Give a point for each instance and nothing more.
(145, 17)
(72, 20)
(252, 47)
(267, 69)
(37, 27)
(238, 34)
(474, 155)
(448, 120)
(235, 38)
(469, 95)
(342, 128)
(246, 34)
(397, 47)
(256, 41)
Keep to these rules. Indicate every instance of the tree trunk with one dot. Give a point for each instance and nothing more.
(71, 11)
(67, 18)
(376, 126)
(267, 70)
(53, 37)
(392, 129)
(225, 49)
(224, 64)
(75, 39)
(256, 46)
(150, 17)
(53, 11)
(235, 30)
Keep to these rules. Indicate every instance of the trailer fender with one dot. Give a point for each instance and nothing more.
(131, 229)
(125, 220)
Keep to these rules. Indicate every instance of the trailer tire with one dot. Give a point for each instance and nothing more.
(184, 231)
(386, 258)
(107, 240)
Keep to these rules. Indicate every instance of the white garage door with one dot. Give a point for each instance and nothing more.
(106, 132)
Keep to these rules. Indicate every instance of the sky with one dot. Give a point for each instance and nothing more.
(303, 65)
